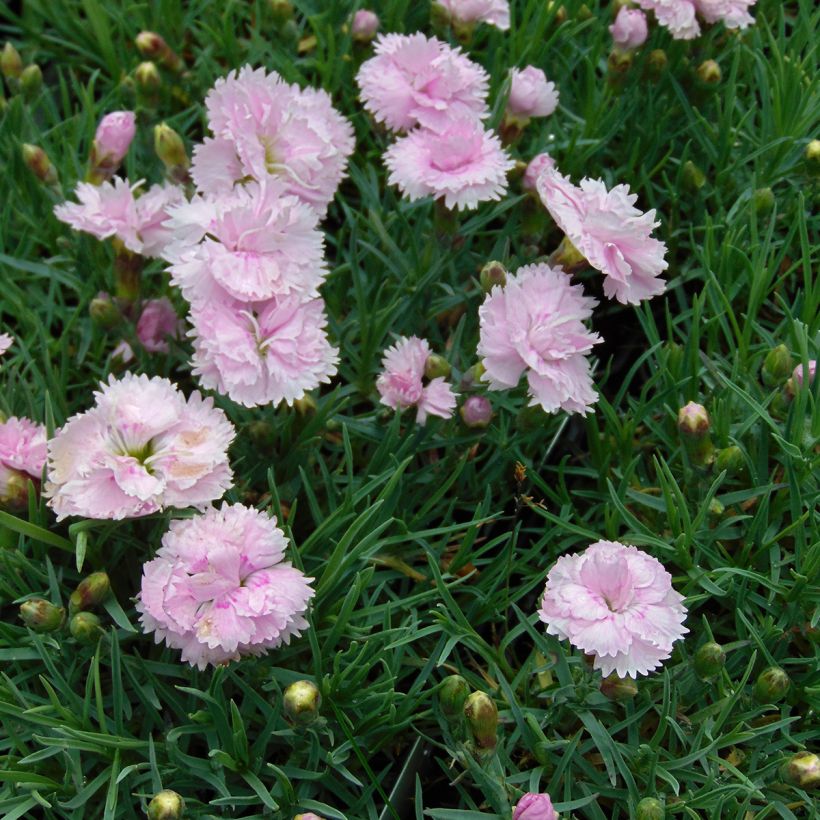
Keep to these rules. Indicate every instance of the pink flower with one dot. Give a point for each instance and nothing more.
(256, 243)
(534, 807)
(614, 236)
(111, 142)
(676, 15)
(417, 80)
(219, 588)
(142, 447)
(401, 383)
(629, 30)
(264, 352)
(535, 325)
(23, 446)
(121, 355)
(538, 164)
(6, 341)
(153, 207)
(466, 12)
(531, 94)
(616, 603)
(476, 412)
(157, 323)
(265, 128)
(464, 164)
(364, 26)
(733, 13)
(797, 375)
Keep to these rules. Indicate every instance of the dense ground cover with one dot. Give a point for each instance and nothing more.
(430, 544)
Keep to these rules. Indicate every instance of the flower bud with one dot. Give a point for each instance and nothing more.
(11, 63)
(533, 806)
(694, 426)
(152, 46)
(471, 379)
(282, 10)
(436, 367)
(111, 143)
(692, 177)
(39, 164)
(492, 274)
(615, 687)
(763, 201)
(619, 62)
(567, 256)
(166, 805)
(560, 13)
(630, 30)
(771, 685)
(127, 273)
(13, 488)
(731, 459)
(656, 64)
(85, 627)
(812, 157)
(802, 770)
(309, 816)
(709, 660)
(799, 374)
(147, 76)
(709, 73)
(31, 80)
(482, 718)
(306, 406)
(261, 433)
(171, 150)
(649, 809)
(41, 615)
(537, 165)
(364, 26)
(104, 312)
(452, 695)
(476, 412)
(90, 592)
(302, 701)
(777, 366)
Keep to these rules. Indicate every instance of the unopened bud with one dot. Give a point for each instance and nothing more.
(154, 47)
(617, 688)
(804, 375)
(90, 592)
(309, 816)
(709, 660)
(11, 63)
(650, 809)
(560, 11)
(171, 150)
(656, 64)
(301, 702)
(471, 378)
(261, 433)
(166, 805)
(85, 627)
(436, 367)
(533, 806)
(492, 274)
(39, 164)
(763, 201)
(364, 26)
(41, 615)
(111, 143)
(777, 366)
(730, 459)
(13, 488)
(567, 256)
(584, 12)
(306, 406)
(802, 770)
(771, 685)
(31, 80)
(709, 72)
(692, 177)
(104, 312)
(482, 718)
(694, 426)
(452, 695)
(812, 157)
(476, 412)
(282, 10)
(127, 273)
(619, 62)
(147, 76)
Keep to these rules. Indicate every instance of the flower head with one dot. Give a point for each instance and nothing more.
(142, 447)
(607, 228)
(418, 80)
(463, 164)
(531, 94)
(629, 30)
(676, 15)
(469, 12)
(6, 341)
(535, 325)
(219, 588)
(617, 604)
(157, 323)
(533, 806)
(537, 165)
(733, 13)
(23, 446)
(401, 383)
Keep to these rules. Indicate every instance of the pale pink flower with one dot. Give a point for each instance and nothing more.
(613, 235)
(733, 13)
(219, 587)
(533, 806)
(141, 448)
(531, 94)
(111, 142)
(122, 354)
(629, 31)
(417, 80)
(534, 325)
(401, 383)
(537, 165)
(263, 352)
(257, 242)
(676, 15)
(6, 341)
(463, 164)
(153, 207)
(469, 12)
(265, 128)
(157, 323)
(617, 604)
(797, 375)
(23, 445)
(364, 26)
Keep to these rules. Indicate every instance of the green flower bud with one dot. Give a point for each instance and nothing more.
(261, 433)
(31, 80)
(452, 695)
(709, 660)
(656, 64)
(90, 592)
(153, 46)
(302, 701)
(482, 718)
(436, 366)
(694, 426)
(771, 685)
(777, 366)
(13, 489)
(618, 688)
(812, 157)
(127, 273)
(171, 150)
(561, 12)
(147, 76)
(41, 615)
(472, 377)
(567, 256)
(763, 201)
(584, 12)
(731, 459)
(86, 627)
(282, 10)
(492, 274)
(39, 164)
(166, 805)
(306, 406)
(709, 73)
(619, 61)
(802, 770)
(650, 809)
(104, 312)
(693, 178)
(11, 63)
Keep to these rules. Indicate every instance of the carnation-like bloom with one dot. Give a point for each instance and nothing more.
(401, 383)
(676, 15)
(256, 243)
(534, 806)
(23, 445)
(263, 127)
(629, 31)
(416, 80)
(469, 12)
(141, 448)
(463, 164)
(111, 142)
(537, 165)
(265, 352)
(157, 323)
(617, 604)
(535, 325)
(111, 209)
(6, 341)
(219, 587)
(531, 94)
(733, 13)
(613, 235)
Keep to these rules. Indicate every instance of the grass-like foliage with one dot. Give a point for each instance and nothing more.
(429, 545)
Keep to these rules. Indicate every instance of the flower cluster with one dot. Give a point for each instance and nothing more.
(22, 456)
(420, 85)
(219, 588)
(681, 16)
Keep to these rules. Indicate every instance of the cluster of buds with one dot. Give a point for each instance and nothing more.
(301, 701)
(20, 78)
(153, 47)
(85, 626)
